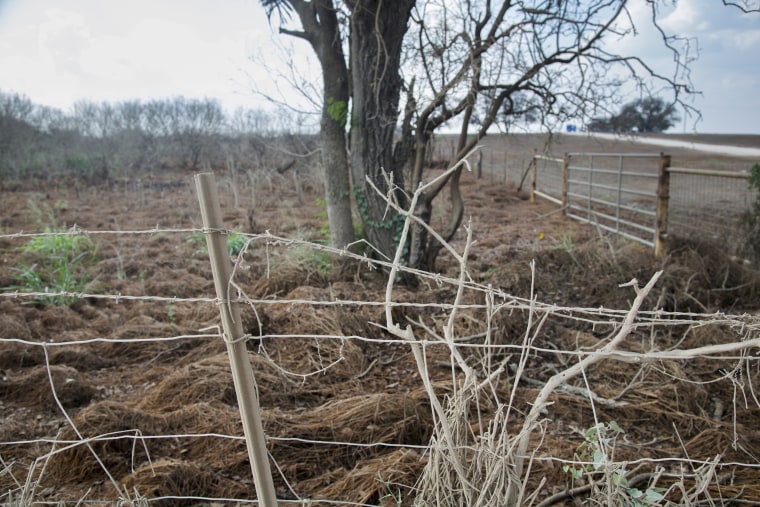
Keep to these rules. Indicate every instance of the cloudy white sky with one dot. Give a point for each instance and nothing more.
(59, 51)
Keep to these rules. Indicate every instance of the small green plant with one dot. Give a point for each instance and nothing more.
(77, 163)
(320, 261)
(754, 179)
(41, 213)
(62, 265)
(566, 242)
(394, 496)
(324, 223)
(236, 241)
(338, 110)
(170, 313)
(58, 242)
(61, 205)
(598, 443)
(395, 223)
(753, 219)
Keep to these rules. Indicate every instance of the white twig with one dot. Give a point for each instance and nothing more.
(541, 401)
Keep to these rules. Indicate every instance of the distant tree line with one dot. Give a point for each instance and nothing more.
(650, 114)
(100, 140)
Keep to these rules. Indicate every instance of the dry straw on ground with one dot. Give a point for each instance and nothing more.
(432, 417)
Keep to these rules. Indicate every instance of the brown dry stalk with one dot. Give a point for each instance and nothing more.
(407, 335)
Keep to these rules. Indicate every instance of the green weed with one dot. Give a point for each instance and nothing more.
(61, 264)
(58, 242)
(324, 222)
(171, 313)
(236, 241)
(753, 218)
(41, 213)
(394, 496)
(596, 448)
(566, 245)
(320, 261)
(566, 242)
(77, 163)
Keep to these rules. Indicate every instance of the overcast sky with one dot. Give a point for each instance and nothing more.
(60, 51)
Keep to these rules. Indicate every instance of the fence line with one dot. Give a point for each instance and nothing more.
(664, 202)
(360, 445)
(750, 322)
(632, 357)
(581, 314)
(612, 199)
(747, 327)
(715, 204)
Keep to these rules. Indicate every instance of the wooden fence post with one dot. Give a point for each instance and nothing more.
(663, 197)
(242, 374)
(565, 176)
(533, 177)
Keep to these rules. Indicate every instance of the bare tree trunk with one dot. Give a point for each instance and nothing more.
(333, 131)
(377, 32)
(322, 31)
(337, 185)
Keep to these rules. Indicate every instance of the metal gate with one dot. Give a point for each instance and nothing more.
(624, 193)
(616, 192)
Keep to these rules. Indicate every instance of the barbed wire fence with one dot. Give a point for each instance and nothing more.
(465, 464)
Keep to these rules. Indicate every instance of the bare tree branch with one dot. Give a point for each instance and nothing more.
(744, 5)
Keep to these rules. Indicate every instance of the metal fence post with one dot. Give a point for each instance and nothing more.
(663, 197)
(242, 374)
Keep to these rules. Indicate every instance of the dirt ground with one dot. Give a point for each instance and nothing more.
(365, 389)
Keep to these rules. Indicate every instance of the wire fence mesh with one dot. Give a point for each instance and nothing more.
(712, 205)
(549, 176)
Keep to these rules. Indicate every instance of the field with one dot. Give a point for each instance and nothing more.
(137, 364)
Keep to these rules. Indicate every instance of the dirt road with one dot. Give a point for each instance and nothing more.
(735, 151)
